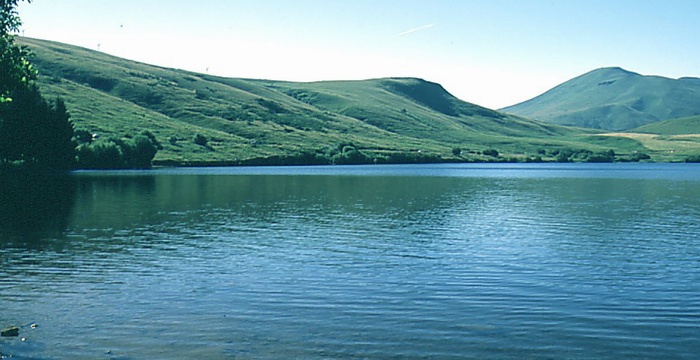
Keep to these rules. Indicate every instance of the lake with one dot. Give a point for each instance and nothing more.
(450, 261)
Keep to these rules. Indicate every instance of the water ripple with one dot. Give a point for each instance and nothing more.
(352, 267)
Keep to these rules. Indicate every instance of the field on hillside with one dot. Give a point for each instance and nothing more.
(681, 126)
(666, 147)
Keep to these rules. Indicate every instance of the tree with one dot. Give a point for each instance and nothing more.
(562, 157)
(9, 20)
(112, 153)
(200, 140)
(693, 159)
(36, 132)
(490, 152)
(140, 153)
(33, 132)
(15, 69)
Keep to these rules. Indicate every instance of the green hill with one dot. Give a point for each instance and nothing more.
(613, 99)
(682, 126)
(248, 121)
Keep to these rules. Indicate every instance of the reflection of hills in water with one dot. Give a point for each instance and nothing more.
(34, 206)
(285, 262)
(41, 207)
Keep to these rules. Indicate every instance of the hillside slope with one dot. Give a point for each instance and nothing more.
(681, 126)
(613, 99)
(263, 121)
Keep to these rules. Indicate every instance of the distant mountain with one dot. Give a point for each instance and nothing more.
(251, 121)
(613, 99)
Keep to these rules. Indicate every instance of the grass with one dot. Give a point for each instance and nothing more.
(264, 121)
(667, 147)
(676, 139)
(682, 126)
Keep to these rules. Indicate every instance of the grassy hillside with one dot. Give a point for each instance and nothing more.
(677, 138)
(614, 99)
(667, 147)
(682, 126)
(262, 121)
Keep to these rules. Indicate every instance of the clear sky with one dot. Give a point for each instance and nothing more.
(493, 53)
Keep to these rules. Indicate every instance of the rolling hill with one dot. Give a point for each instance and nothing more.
(250, 121)
(613, 99)
(681, 126)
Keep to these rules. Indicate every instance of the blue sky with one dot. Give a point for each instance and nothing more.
(493, 53)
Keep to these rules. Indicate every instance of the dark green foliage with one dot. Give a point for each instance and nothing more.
(342, 154)
(583, 155)
(144, 96)
(535, 159)
(272, 106)
(35, 132)
(600, 158)
(201, 95)
(636, 157)
(101, 83)
(416, 157)
(90, 79)
(139, 152)
(568, 155)
(640, 157)
(100, 154)
(490, 152)
(305, 158)
(59, 146)
(299, 121)
(82, 136)
(305, 96)
(9, 20)
(200, 140)
(693, 159)
(561, 158)
(348, 154)
(15, 69)
(153, 139)
(456, 151)
(109, 153)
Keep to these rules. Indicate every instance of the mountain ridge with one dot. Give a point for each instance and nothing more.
(613, 98)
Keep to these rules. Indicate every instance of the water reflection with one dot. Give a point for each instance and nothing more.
(114, 200)
(117, 202)
(35, 207)
(199, 265)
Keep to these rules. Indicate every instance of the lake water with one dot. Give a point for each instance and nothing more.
(541, 261)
